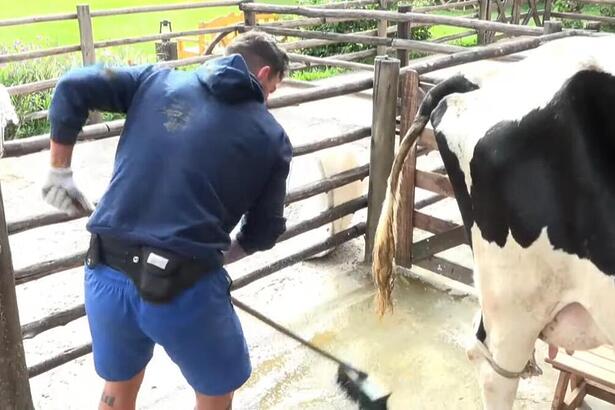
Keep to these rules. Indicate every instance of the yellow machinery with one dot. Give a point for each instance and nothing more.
(197, 45)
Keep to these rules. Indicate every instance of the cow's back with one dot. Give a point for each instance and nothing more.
(533, 150)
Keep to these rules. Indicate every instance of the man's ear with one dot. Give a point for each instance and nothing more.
(264, 73)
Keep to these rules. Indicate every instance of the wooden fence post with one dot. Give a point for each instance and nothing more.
(249, 17)
(411, 97)
(551, 27)
(386, 78)
(86, 40)
(14, 381)
(484, 13)
(403, 32)
(547, 13)
(515, 14)
(382, 28)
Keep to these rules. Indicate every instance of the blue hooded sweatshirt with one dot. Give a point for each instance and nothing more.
(199, 150)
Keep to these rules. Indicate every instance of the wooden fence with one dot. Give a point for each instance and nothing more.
(548, 13)
(387, 73)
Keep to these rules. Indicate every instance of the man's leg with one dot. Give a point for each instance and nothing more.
(201, 333)
(204, 402)
(120, 348)
(121, 395)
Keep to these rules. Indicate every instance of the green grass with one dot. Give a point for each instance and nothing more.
(317, 73)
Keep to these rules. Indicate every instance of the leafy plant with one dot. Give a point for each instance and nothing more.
(569, 6)
(608, 11)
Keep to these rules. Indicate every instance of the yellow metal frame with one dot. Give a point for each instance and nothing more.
(197, 45)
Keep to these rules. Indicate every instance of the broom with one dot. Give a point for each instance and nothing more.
(353, 381)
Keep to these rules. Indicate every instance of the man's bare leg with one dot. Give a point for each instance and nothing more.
(204, 402)
(121, 395)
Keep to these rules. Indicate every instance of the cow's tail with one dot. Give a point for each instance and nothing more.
(384, 243)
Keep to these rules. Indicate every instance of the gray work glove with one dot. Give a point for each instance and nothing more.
(61, 192)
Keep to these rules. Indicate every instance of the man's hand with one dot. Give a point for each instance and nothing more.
(234, 253)
(61, 192)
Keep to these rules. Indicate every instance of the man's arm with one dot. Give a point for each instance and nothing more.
(78, 92)
(265, 222)
(234, 253)
(91, 88)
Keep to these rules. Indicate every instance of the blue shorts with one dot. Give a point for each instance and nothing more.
(199, 330)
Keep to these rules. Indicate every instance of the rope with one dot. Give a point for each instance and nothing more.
(530, 369)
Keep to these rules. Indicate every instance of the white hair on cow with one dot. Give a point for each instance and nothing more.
(7, 114)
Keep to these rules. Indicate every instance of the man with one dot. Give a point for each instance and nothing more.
(199, 150)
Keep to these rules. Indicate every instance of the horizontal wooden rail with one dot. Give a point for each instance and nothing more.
(41, 142)
(46, 268)
(36, 115)
(432, 224)
(313, 21)
(32, 329)
(327, 184)
(430, 200)
(166, 7)
(353, 38)
(579, 16)
(51, 83)
(456, 36)
(393, 16)
(32, 87)
(333, 241)
(59, 360)
(310, 43)
(357, 55)
(29, 55)
(319, 93)
(448, 6)
(325, 217)
(164, 36)
(330, 62)
(37, 221)
(20, 21)
(350, 136)
(600, 2)
(438, 243)
(346, 4)
(433, 182)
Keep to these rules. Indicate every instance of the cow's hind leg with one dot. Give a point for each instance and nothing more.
(504, 355)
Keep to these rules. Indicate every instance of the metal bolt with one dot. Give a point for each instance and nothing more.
(135, 259)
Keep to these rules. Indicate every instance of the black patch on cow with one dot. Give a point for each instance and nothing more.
(481, 333)
(455, 174)
(455, 84)
(555, 168)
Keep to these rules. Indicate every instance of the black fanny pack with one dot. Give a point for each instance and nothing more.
(159, 275)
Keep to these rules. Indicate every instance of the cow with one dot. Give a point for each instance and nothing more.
(530, 153)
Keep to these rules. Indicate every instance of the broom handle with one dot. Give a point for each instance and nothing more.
(290, 334)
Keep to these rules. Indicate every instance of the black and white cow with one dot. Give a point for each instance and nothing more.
(530, 152)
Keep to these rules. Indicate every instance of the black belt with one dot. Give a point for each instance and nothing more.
(159, 275)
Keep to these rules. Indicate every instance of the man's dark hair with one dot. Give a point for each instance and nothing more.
(259, 49)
